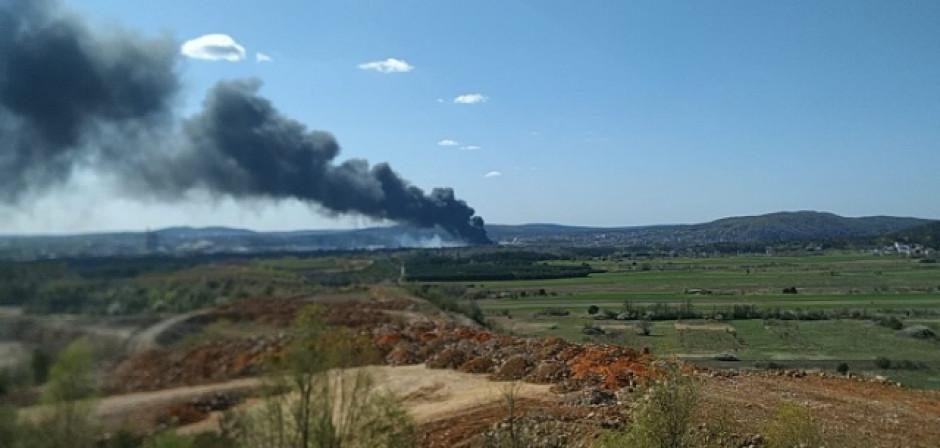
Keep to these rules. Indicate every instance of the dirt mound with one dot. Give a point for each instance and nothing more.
(207, 363)
(235, 358)
(567, 365)
(363, 314)
(438, 343)
(538, 423)
(280, 312)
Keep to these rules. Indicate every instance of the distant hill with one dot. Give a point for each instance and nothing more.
(774, 227)
(781, 226)
(804, 225)
(927, 234)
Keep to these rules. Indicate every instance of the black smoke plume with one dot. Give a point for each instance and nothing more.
(73, 97)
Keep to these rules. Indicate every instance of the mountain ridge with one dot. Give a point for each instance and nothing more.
(770, 228)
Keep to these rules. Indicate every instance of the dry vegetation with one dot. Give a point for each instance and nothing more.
(232, 370)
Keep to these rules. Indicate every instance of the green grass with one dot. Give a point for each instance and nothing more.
(830, 339)
(900, 286)
(805, 344)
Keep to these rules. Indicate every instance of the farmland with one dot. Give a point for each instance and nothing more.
(807, 311)
(182, 339)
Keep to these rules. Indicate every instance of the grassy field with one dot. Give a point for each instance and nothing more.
(879, 286)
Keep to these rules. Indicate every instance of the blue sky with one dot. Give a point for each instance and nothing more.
(602, 113)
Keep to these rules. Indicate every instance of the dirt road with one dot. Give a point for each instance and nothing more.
(148, 338)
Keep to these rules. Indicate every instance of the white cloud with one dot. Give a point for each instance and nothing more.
(470, 148)
(492, 174)
(390, 65)
(447, 143)
(213, 47)
(261, 57)
(471, 98)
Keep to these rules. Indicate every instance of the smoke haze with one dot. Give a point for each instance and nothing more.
(72, 98)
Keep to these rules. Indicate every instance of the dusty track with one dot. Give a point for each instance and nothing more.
(452, 405)
(860, 413)
(140, 411)
(147, 339)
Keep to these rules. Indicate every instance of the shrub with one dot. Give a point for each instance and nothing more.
(326, 406)
(7, 424)
(6, 382)
(553, 311)
(593, 309)
(792, 425)
(169, 439)
(39, 364)
(664, 420)
(66, 421)
(891, 322)
(882, 363)
(910, 365)
(644, 327)
(843, 368)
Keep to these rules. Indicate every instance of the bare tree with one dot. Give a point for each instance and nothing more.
(325, 404)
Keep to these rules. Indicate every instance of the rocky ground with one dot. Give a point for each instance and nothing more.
(587, 388)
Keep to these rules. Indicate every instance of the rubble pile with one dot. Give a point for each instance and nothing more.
(438, 344)
(202, 364)
(567, 366)
(277, 312)
(362, 314)
(280, 312)
(196, 409)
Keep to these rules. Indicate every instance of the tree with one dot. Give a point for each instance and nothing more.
(326, 405)
(8, 427)
(842, 368)
(508, 435)
(66, 419)
(70, 376)
(39, 364)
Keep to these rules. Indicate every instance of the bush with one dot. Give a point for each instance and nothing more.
(593, 309)
(552, 311)
(66, 421)
(882, 363)
(643, 327)
(6, 382)
(39, 364)
(792, 425)
(891, 322)
(664, 420)
(326, 406)
(843, 368)
(7, 424)
(592, 330)
(910, 365)
(773, 366)
(169, 439)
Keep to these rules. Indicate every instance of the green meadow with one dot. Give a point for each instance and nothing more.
(815, 312)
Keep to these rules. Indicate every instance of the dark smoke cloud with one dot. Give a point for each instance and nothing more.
(62, 88)
(71, 97)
